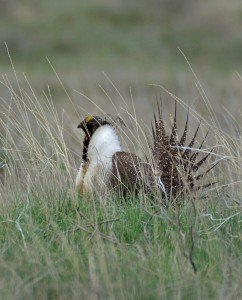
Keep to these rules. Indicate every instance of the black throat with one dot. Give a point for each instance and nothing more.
(89, 131)
(85, 147)
(88, 135)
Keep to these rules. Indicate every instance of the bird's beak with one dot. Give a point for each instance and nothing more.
(81, 125)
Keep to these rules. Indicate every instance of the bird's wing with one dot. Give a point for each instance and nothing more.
(131, 172)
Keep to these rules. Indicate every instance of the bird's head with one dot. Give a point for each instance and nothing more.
(91, 123)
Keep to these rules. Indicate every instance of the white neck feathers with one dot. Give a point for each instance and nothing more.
(94, 175)
(103, 144)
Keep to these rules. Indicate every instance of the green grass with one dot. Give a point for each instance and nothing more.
(87, 249)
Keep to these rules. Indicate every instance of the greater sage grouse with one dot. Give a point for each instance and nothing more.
(105, 167)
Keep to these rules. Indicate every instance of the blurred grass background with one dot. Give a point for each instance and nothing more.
(135, 42)
(103, 33)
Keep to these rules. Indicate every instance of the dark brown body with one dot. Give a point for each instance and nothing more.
(131, 174)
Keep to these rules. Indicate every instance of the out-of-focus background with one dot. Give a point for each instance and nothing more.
(134, 42)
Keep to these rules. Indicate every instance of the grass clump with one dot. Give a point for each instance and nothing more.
(66, 250)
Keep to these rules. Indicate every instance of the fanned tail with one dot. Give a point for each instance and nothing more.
(175, 163)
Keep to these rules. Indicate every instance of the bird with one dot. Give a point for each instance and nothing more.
(172, 169)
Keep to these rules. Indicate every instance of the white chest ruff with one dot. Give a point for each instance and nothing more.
(93, 177)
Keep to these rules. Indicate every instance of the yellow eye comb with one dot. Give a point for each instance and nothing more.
(89, 118)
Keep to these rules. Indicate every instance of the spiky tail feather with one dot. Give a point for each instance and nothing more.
(176, 164)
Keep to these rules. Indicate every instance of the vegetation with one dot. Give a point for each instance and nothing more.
(101, 33)
(53, 248)
(53, 243)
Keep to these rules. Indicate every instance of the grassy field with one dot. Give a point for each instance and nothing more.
(54, 248)
(53, 243)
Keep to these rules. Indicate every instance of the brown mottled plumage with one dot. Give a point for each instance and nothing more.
(131, 174)
(176, 163)
(173, 169)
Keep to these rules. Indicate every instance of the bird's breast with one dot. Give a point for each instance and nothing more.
(93, 177)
